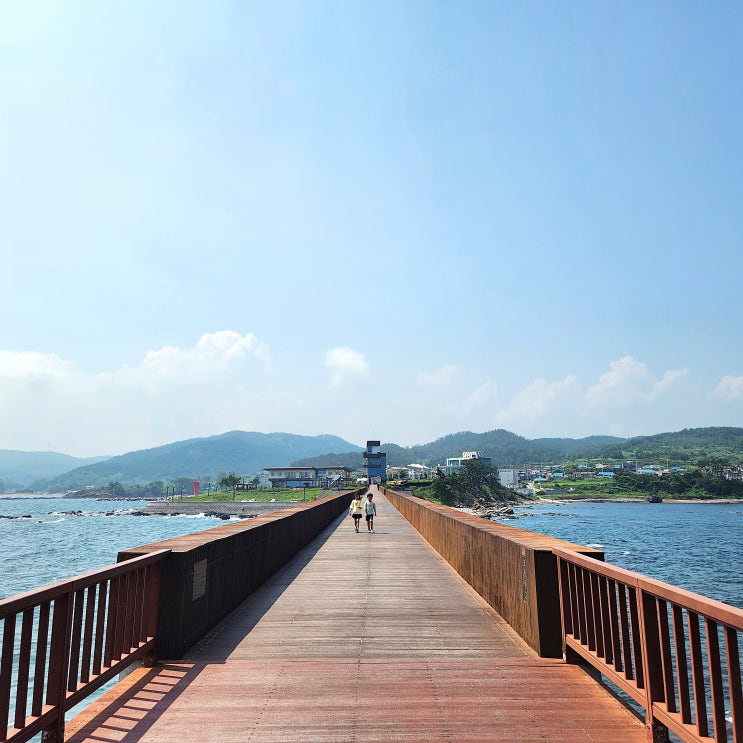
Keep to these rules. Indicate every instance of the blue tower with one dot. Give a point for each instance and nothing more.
(375, 462)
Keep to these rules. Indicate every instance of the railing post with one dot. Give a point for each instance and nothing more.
(566, 617)
(58, 661)
(655, 731)
(151, 610)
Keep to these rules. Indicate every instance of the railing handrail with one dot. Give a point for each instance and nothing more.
(75, 635)
(644, 635)
(721, 612)
(20, 601)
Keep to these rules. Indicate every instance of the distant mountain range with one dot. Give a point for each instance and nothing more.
(205, 459)
(247, 453)
(18, 469)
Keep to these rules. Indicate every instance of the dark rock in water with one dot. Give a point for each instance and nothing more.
(490, 511)
(218, 515)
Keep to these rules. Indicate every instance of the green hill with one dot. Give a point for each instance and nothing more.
(246, 453)
(684, 447)
(503, 447)
(18, 469)
(205, 459)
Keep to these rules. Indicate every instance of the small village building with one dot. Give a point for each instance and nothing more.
(509, 478)
(418, 471)
(310, 477)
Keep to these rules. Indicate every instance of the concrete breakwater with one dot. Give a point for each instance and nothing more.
(215, 508)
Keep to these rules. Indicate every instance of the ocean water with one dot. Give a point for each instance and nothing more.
(43, 540)
(696, 546)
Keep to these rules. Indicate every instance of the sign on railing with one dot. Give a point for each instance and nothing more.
(63, 641)
(674, 652)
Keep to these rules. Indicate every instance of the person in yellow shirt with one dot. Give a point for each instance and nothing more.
(356, 509)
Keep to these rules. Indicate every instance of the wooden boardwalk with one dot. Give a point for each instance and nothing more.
(362, 637)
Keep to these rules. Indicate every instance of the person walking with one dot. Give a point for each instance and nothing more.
(370, 509)
(356, 509)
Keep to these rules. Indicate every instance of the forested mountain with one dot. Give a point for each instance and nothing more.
(205, 459)
(682, 447)
(504, 448)
(685, 447)
(20, 468)
(246, 453)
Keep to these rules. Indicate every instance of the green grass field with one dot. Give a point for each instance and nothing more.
(282, 495)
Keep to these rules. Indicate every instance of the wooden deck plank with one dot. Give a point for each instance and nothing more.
(363, 637)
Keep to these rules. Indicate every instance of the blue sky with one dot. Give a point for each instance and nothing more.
(390, 220)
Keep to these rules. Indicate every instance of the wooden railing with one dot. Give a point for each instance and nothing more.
(674, 652)
(75, 635)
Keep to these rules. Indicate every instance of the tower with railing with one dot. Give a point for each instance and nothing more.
(375, 463)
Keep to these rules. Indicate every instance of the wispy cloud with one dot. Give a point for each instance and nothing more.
(215, 354)
(730, 388)
(345, 363)
(539, 399)
(29, 366)
(482, 394)
(169, 395)
(629, 380)
(443, 375)
(627, 391)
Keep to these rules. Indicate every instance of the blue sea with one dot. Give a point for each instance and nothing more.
(43, 540)
(696, 546)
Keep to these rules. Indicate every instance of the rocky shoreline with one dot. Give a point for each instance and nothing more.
(216, 509)
(489, 512)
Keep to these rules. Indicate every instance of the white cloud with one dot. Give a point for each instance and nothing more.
(215, 354)
(625, 397)
(345, 363)
(730, 388)
(442, 375)
(669, 382)
(173, 393)
(481, 394)
(630, 381)
(226, 381)
(30, 365)
(626, 380)
(540, 399)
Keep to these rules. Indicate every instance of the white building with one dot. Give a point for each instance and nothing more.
(418, 471)
(509, 478)
(453, 464)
